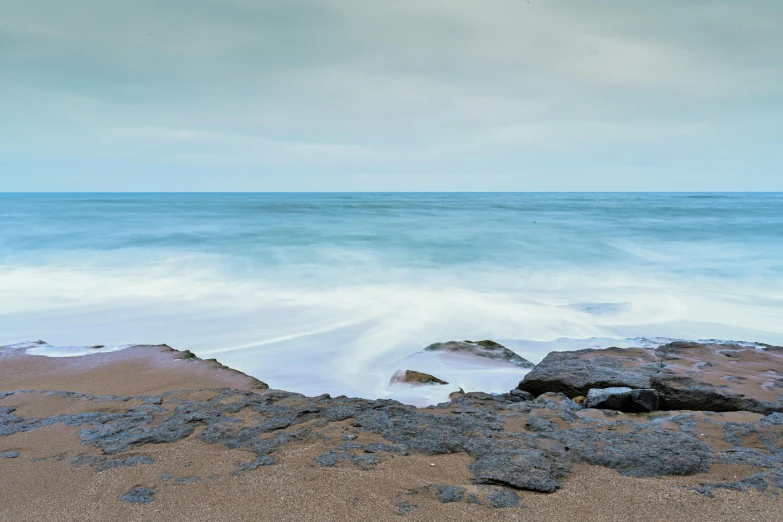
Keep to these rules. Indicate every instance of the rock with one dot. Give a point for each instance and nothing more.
(414, 378)
(403, 508)
(129, 462)
(502, 498)
(488, 349)
(531, 469)
(448, 494)
(622, 399)
(685, 375)
(579, 399)
(644, 401)
(521, 395)
(539, 424)
(9, 455)
(513, 442)
(640, 452)
(140, 495)
(574, 373)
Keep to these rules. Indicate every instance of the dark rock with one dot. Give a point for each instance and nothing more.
(487, 349)
(680, 392)
(533, 470)
(608, 398)
(140, 495)
(622, 399)
(641, 452)
(260, 461)
(185, 480)
(539, 424)
(414, 378)
(128, 462)
(644, 401)
(472, 498)
(776, 419)
(502, 498)
(574, 373)
(521, 395)
(684, 374)
(328, 459)
(406, 507)
(760, 482)
(448, 494)
(9, 455)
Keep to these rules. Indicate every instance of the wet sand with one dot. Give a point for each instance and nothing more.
(51, 487)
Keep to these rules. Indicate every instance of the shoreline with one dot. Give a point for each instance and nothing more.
(322, 470)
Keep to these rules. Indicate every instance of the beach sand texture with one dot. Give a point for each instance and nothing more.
(197, 481)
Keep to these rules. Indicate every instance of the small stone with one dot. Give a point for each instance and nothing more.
(140, 495)
(9, 454)
(414, 378)
(448, 494)
(521, 395)
(406, 507)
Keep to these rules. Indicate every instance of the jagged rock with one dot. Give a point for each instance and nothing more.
(514, 443)
(686, 375)
(622, 399)
(414, 378)
(488, 349)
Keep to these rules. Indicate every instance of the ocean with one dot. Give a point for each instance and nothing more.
(331, 292)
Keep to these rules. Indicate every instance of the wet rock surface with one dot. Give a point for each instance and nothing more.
(685, 375)
(414, 378)
(487, 349)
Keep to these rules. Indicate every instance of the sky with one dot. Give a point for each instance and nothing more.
(410, 95)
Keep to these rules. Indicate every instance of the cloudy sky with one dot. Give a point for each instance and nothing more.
(413, 95)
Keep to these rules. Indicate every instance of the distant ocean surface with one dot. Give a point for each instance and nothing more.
(327, 292)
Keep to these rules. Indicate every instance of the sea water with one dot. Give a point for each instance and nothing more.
(333, 292)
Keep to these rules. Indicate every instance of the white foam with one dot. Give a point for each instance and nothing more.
(325, 329)
(48, 350)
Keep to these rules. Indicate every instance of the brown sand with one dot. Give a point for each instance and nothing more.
(295, 489)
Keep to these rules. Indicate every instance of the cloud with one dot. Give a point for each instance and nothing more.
(411, 86)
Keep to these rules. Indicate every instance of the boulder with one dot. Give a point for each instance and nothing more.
(575, 373)
(685, 375)
(414, 378)
(488, 349)
(622, 399)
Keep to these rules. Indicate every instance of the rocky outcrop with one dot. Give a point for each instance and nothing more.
(575, 373)
(513, 442)
(414, 378)
(685, 375)
(487, 349)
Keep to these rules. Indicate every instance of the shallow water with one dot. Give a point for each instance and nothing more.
(327, 292)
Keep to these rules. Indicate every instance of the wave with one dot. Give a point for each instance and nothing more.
(323, 328)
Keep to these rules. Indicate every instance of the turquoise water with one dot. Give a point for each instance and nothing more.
(321, 292)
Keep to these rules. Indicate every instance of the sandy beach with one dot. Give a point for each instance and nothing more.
(195, 480)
